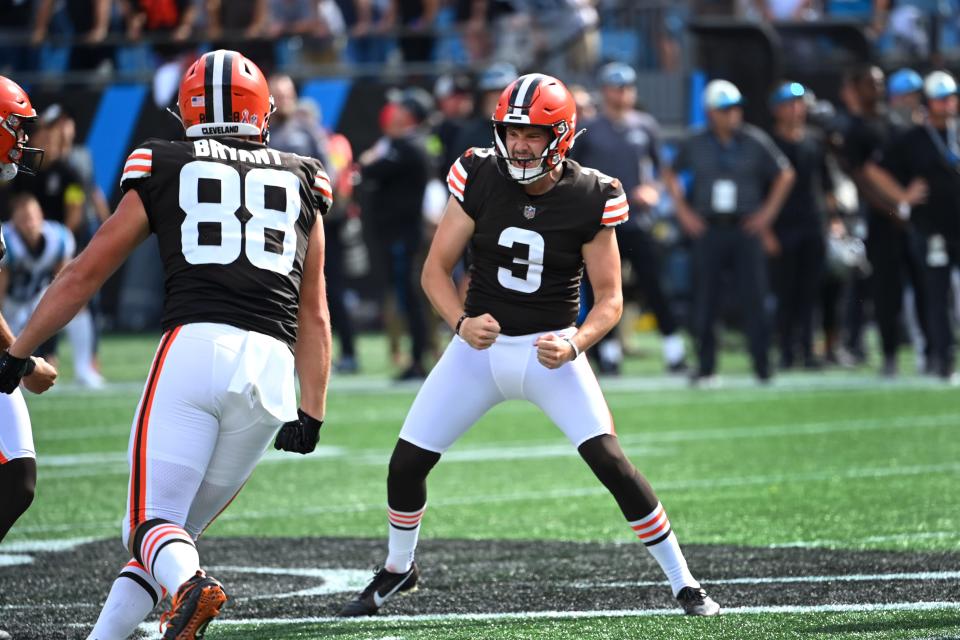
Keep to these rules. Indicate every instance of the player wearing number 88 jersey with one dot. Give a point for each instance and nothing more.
(244, 312)
(535, 220)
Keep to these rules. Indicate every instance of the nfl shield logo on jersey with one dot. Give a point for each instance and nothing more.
(529, 211)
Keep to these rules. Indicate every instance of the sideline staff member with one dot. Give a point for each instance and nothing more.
(932, 150)
(738, 182)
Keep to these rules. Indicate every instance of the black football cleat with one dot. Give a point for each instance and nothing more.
(383, 587)
(197, 602)
(696, 602)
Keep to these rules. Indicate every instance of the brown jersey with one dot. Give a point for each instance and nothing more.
(232, 218)
(527, 250)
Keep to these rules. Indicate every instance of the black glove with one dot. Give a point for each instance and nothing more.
(12, 369)
(299, 436)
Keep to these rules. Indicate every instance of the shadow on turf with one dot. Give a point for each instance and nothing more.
(891, 625)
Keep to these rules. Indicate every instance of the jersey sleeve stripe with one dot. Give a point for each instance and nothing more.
(613, 203)
(460, 172)
(460, 184)
(618, 211)
(612, 222)
(324, 192)
(136, 167)
(131, 175)
(456, 191)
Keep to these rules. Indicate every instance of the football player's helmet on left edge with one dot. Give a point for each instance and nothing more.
(16, 112)
(224, 93)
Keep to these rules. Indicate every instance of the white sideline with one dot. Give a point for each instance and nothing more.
(151, 627)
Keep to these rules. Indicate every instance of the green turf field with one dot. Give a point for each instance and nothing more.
(817, 465)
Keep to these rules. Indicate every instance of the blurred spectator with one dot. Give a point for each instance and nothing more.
(90, 21)
(296, 129)
(454, 96)
(368, 23)
(481, 21)
(293, 17)
(777, 10)
(36, 251)
(586, 108)
(416, 16)
(395, 172)
(17, 21)
(228, 20)
(798, 262)
(873, 13)
(738, 181)
(171, 18)
(478, 131)
(905, 94)
(625, 144)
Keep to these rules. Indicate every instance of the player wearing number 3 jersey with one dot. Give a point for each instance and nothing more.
(244, 311)
(534, 220)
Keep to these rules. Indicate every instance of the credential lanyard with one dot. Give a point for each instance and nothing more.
(949, 150)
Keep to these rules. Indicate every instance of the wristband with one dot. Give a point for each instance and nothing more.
(31, 366)
(456, 329)
(903, 210)
(573, 345)
(309, 421)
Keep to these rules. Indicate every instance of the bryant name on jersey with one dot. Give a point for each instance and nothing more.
(527, 260)
(232, 219)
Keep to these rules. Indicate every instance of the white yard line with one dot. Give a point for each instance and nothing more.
(151, 627)
(875, 577)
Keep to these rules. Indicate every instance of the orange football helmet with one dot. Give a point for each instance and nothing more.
(224, 93)
(535, 100)
(16, 112)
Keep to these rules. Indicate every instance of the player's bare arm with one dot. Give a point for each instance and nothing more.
(602, 261)
(82, 277)
(448, 245)
(312, 351)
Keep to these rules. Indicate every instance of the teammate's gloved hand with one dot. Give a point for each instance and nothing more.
(12, 369)
(299, 436)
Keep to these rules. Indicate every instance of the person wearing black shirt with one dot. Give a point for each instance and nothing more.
(932, 150)
(799, 226)
(395, 172)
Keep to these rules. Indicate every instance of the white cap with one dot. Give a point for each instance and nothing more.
(721, 94)
(939, 84)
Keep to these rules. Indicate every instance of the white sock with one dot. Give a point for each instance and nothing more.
(404, 529)
(673, 348)
(132, 597)
(168, 552)
(80, 330)
(655, 533)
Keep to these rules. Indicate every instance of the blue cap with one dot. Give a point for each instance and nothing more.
(617, 74)
(904, 81)
(787, 91)
(497, 77)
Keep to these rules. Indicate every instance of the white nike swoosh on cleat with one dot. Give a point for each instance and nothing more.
(379, 600)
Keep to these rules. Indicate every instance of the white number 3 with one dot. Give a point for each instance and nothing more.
(534, 260)
(223, 214)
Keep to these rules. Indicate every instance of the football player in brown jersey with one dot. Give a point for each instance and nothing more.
(534, 219)
(244, 312)
(18, 460)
